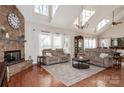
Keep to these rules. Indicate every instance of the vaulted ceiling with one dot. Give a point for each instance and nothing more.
(67, 14)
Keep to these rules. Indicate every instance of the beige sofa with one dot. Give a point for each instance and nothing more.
(55, 56)
(97, 57)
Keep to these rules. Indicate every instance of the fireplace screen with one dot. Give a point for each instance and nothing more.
(10, 56)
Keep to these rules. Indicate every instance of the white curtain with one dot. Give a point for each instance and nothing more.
(67, 44)
(89, 42)
(44, 41)
(57, 41)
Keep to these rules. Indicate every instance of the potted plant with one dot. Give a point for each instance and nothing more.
(2, 29)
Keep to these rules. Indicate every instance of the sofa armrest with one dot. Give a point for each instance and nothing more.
(107, 61)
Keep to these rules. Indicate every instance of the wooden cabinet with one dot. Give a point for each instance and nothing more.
(78, 45)
(117, 43)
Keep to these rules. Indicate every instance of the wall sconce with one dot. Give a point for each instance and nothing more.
(7, 35)
(7, 38)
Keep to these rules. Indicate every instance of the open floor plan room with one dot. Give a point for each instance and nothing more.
(61, 46)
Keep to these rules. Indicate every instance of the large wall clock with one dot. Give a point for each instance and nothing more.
(13, 20)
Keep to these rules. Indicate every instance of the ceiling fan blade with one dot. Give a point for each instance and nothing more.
(119, 22)
(116, 23)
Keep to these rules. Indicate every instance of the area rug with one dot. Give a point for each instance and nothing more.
(70, 75)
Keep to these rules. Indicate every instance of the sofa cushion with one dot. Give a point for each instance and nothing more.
(54, 53)
(60, 51)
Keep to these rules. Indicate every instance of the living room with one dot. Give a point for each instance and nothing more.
(61, 45)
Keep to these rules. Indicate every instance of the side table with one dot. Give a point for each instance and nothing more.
(117, 62)
(40, 60)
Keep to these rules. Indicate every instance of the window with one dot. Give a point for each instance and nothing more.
(54, 41)
(104, 42)
(89, 42)
(102, 24)
(94, 42)
(86, 43)
(84, 17)
(41, 9)
(54, 8)
(57, 41)
(66, 44)
(45, 41)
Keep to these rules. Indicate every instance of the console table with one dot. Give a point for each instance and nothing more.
(117, 62)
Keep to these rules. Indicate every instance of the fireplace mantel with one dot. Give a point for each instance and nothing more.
(7, 40)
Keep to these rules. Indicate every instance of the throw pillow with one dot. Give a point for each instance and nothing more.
(80, 57)
(103, 55)
(49, 54)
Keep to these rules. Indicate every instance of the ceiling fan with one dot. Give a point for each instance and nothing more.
(113, 21)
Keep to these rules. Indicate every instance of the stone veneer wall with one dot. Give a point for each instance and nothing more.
(15, 34)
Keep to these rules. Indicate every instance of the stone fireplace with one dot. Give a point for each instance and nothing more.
(14, 42)
(12, 48)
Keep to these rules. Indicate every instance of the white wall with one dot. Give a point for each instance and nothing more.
(32, 45)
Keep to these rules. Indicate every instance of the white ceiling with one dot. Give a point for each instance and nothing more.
(66, 15)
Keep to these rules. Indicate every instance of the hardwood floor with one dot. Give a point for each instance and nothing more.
(38, 77)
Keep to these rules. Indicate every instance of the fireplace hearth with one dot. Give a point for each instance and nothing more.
(13, 57)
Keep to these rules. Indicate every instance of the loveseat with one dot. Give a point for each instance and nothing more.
(98, 56)
(55, 56)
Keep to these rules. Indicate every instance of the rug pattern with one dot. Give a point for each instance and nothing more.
(70, 75)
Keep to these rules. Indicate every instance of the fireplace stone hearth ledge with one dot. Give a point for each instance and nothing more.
(14, 62)
(16, 68)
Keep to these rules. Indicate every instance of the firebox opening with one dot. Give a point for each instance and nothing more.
(12, 56)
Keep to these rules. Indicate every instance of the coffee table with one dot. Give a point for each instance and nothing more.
(80, 63)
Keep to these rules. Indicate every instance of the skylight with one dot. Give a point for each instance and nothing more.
(84, 17)
(41, 9)
(102, 24)
(54, 8)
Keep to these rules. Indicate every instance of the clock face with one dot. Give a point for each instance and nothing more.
(13, 20)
